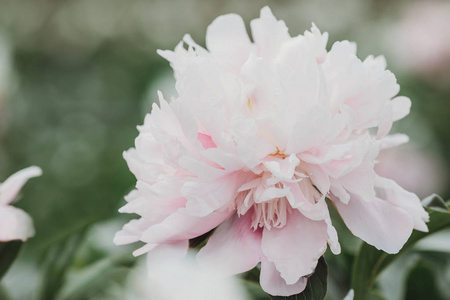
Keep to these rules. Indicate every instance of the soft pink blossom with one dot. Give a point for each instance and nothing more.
(262, 135)
(15, 224)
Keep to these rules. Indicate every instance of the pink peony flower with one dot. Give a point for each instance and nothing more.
(15, 224)
(261, 135)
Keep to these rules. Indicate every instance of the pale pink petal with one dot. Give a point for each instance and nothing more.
(227, 39)
(303, 138)
(234, 246)
(400, 107)
(378, 222)
(389, 190)
(206, 141)
(144, 249)
(295, 248)
(360, 182)
(268, 33)
(15, 224)
(394, 140)
(304, 197)
(182, 226)
(339, 192)
(206, 196)
(11, 186)
(333, 240)
(131, 232)
(273, 284)
(227, 161)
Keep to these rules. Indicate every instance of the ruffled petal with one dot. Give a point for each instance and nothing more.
(182, 226)
(268, 33)
(205, 197)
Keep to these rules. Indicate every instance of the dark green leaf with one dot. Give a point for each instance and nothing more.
(316, 288)
(200, 240)
(422, 283)
(8, 253)
(375, 295)
(435, 201)
(370, 262)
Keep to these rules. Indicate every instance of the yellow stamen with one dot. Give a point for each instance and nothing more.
(250, 104)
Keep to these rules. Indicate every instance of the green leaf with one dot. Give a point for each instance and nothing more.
(370, 262)
(316, 288)
(422, 283)
(8, 253)
(58, 262)
(435, 202)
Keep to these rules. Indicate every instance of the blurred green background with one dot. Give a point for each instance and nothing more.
(78, 76)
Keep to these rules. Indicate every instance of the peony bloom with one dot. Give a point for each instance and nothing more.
(15, 224)
(261, 136)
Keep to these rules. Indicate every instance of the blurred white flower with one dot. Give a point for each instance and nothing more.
(170, 276)
(260, 135)
(15, 224)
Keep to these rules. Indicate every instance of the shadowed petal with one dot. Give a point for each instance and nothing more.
(295, 248)
(234, 247)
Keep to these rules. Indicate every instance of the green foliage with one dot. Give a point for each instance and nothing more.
(8, 253)
(421, 283)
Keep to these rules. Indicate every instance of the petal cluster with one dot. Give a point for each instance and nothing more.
(15, 224)
(263, 134)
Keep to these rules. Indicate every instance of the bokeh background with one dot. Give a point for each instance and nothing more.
(78, 76)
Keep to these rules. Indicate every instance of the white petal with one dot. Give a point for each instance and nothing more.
(400, 107)
(15, 224)
(393, 140)
(11, 186)
(131, 232)
(268, 33)
(227, 39)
